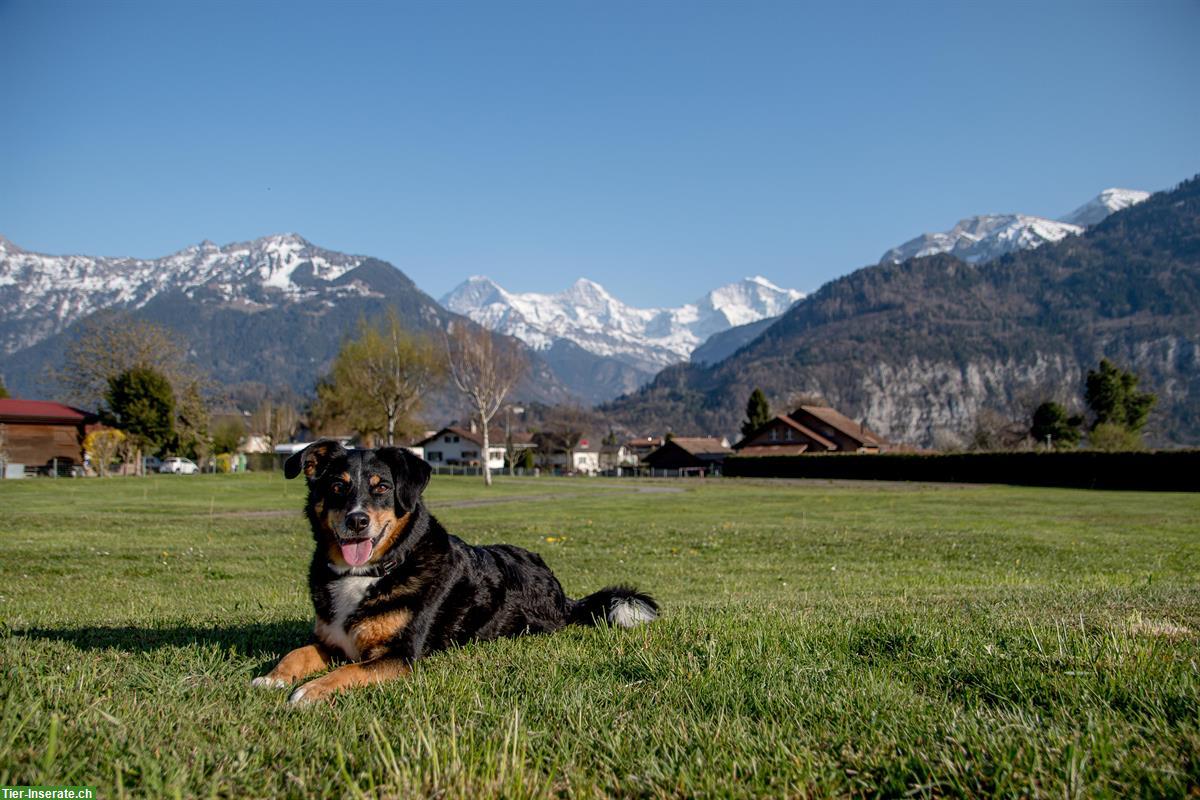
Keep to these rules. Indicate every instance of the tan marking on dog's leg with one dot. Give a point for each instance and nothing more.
(363, 673)
(300, 663)
(374, 633)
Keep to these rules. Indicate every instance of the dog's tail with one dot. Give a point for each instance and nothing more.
(622, 606)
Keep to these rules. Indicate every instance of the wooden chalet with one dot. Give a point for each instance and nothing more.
(40, 432)
(683, 455)
(810, 429)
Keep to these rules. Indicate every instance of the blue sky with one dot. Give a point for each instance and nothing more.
(660, 148)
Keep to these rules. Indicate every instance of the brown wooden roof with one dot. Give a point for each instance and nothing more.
(700, 445)
(839, 421)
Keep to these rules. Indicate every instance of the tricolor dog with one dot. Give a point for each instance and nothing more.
(390, 585)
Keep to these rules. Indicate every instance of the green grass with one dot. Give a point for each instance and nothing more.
(819, 639)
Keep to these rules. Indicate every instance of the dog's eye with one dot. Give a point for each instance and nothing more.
(381, 488)
(338, 487)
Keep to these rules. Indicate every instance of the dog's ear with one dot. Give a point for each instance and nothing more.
(410, 475)
(313, 459)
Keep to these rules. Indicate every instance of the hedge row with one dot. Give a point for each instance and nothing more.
(1168, 470)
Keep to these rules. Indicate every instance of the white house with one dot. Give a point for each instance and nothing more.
(461, 447)
(585, 458)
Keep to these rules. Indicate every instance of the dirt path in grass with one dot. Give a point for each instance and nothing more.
(483, 501)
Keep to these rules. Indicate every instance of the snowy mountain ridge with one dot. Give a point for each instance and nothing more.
(587, 315)
(986, 237)
(48, 293)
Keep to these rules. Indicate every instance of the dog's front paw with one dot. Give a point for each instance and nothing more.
(267, 682)
(310, 693)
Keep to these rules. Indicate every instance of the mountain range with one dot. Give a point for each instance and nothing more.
(982, 316)
(633, 343)
(989, 236)
(261, 316)
(918, 349)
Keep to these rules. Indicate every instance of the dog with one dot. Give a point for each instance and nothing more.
(389, 585)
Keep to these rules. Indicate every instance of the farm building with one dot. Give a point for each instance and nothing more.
(688, 456)
(39, 432)
(810, 429)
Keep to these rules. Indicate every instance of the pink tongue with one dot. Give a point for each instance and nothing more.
(356, 552)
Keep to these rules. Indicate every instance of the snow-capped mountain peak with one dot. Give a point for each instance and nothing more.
(51, 292)
(587, 315)
(1107, 202)
(987, 237)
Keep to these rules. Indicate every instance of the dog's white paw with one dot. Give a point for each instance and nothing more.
(296, 698)
(268, 682)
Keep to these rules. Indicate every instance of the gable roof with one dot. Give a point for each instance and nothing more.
(791, 423)
(496, 436)
(840, 422)
(14, 410)
(699, 445)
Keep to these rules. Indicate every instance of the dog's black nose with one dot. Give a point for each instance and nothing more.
(357, 521)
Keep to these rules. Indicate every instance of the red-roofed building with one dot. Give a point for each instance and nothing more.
(37, 432)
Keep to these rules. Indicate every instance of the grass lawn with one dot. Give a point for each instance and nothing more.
(818, 640)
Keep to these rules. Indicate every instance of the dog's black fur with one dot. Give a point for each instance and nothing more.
(421, 589)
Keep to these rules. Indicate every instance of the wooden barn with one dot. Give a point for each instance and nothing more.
(36, 432)
(810, 429)
(688, 456)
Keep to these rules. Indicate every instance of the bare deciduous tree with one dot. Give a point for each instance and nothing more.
(274, 420)
(378, 380)
(111, 344)
(485, 368)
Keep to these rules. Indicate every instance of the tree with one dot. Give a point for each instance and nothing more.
(379, 378)
(1052, 424)
(485, 368)
(563, 427)
(141, 403)
(758, 413)
(3, 390)
(1112, 437)
(995, 431)
(1113, 397)
(102, 446)
(275, 421)
(110, 344)
(227, 436)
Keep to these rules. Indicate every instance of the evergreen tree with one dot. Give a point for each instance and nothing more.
(757, 412)
(3, 390)
(1114, 399)
(1051, 422)
(141, 403)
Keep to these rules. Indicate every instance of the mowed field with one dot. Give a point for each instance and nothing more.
(818, 639)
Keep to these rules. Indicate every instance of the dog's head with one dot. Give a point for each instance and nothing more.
(359, 501)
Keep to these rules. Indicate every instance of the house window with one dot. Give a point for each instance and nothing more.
(470, 454)
(774, 435)
(788, 434)
(433, 456)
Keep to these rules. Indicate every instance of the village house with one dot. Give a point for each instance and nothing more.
(618, 459)
(585, 458)
(682, 455)
(41, 433)
(810, 429)
(456, 446)
(642, 446)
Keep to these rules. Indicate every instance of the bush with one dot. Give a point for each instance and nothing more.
(1113, 438)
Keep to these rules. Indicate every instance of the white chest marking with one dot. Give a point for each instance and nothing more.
(346, 595)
